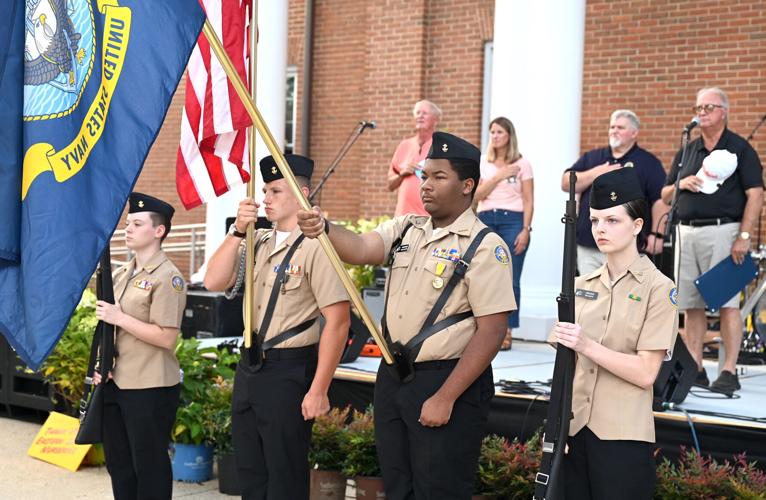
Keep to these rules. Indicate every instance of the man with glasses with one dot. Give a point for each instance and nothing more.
(719, 201)
(622, 151)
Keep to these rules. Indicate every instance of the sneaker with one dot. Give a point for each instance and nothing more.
(701, 380)
(727, 382)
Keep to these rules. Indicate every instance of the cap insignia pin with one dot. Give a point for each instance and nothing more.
(613, 196)
(141, 203)
(274, 170)
(445, 148)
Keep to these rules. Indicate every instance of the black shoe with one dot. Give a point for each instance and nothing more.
(701, 380)
(727, 382)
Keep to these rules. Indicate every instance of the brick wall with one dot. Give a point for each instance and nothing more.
(374, 59)
(653, 55)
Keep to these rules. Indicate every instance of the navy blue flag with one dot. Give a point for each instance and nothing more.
(98, 77)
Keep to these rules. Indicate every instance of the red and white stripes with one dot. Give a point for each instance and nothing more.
(213, 153)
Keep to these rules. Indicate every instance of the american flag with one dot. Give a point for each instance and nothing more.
(213, 154)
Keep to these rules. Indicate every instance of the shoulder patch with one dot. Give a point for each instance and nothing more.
(501, 255)
(178, 283)
(673, 296)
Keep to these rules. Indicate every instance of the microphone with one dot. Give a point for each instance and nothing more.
(689, 126)
(368, 124)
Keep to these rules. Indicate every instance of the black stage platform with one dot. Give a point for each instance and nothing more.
(724, 426)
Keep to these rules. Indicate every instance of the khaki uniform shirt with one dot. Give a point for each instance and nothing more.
(426, 254)
(155, 294)
(636, 313)
(311, 285)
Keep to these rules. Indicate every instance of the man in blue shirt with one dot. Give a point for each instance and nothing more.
(622, 151)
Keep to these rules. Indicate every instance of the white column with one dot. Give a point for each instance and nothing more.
(270, 99)
(537, 83)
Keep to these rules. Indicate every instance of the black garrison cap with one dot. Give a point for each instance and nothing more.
(300, 165)
(140, 202)
(451, 147)
(615, 188)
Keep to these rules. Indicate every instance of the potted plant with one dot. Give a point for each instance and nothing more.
(361, 462)
(220, 417)
(65, 368)
(193, 432)
(698, 477)
(327, 454)
(507, 469)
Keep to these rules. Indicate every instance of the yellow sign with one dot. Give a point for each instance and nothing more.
(64, 164)
(55, 442)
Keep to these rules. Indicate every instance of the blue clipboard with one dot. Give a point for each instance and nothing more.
(724, 280)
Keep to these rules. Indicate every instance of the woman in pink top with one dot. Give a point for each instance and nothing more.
(506, 201)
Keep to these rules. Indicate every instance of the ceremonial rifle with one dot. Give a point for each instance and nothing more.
(549, 482)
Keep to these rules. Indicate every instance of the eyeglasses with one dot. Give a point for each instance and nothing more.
(707, 107)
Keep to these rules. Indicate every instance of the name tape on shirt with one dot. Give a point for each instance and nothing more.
(586, 294)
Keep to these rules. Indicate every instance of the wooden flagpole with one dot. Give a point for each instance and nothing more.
(287, 173)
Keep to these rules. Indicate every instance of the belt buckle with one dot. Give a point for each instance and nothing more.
(544, 480)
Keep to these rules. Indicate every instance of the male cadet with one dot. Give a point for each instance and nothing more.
(281, 382)
(429, 430)
(622, 151)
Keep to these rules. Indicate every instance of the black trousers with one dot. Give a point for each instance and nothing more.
(599, 469)
(137, 426)
(429, 463)
(271, 438)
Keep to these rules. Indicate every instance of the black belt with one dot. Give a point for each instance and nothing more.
(437, 364)
(290, 353)
(707, 222)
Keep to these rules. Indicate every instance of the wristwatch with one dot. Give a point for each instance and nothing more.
(528, 228)
(233, 231)
(744, 235)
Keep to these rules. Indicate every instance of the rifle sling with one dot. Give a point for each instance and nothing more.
(279, 281)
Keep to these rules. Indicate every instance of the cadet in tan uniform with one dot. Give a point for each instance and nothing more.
(429, 430)
(278, 393)
(626, 326)
(141, 398)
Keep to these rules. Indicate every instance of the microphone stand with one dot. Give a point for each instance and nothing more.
(668, 240)
(358, 129)
(749, 137)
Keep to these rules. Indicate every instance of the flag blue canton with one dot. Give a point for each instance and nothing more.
(85, 88)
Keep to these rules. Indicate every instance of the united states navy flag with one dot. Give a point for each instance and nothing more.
(85, 88)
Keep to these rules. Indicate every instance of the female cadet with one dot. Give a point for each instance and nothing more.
(626, 326)
(141, 397)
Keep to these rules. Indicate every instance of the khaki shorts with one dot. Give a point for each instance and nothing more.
(697, 250)
(589, 259)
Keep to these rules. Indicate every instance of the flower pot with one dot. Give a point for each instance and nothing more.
(369, 488)
(327, 485)
(192, 463)
(228, 481)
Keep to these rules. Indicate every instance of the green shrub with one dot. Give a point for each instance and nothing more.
(362, 275)
(328, 440)
(66, 366)
(695, 477)
(507, 469)
(361, 455)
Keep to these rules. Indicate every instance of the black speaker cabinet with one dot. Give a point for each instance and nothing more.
(210, 314)
(676, 376)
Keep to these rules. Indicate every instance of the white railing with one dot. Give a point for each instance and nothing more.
(187, 238)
